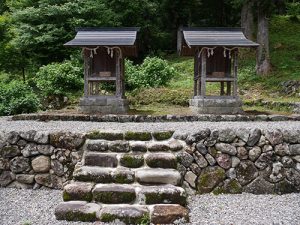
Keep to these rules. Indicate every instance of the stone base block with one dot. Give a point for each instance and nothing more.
(216, 105)
(103, 105)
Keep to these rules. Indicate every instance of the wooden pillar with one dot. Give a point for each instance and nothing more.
(203, 72)
(122, 72)
(118, 76)
(196, 73)
(235, 70)
(222, 92)
(86, 73)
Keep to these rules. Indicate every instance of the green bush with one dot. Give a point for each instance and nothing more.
(153, 72)
(59, 79)
(17, 97)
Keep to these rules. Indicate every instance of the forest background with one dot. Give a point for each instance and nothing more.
(38, 73)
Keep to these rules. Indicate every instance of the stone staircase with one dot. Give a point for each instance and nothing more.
(129, 177)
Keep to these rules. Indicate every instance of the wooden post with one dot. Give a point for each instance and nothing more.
(86, 73)
(235, 70)
(203, 72)
(222, 88)
(118, 76)
(196, 73)
(122, 77)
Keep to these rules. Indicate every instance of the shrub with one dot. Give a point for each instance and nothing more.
(153, 72)
(17, 97)
(59, 79)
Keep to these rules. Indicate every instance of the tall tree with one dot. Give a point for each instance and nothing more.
(247, 19)
(263, 62)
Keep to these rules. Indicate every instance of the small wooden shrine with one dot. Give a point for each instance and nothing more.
(215, 52)
(104, 51)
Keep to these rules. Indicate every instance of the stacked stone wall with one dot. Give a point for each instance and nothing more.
(218, 161)
(36, 159)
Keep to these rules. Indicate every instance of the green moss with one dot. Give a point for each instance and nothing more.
(161, 163)
(105, 136)
(107, 217)
(82, 197)
(79, 216)
(218, 191)
(132, 161)
(112, 197)
(122, 178)
(138, 136)
(234, 187)
(160, 198)
(164, 135)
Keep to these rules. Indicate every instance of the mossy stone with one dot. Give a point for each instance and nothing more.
(160, 198)
(123, 177)
(132, 161)
(126, 216)
(105, 136)
(209, 178)
(161, 161)
(79, 216)
(138, 136)
(115, 197)
(164, 135)
(229, 187)
(83, 197)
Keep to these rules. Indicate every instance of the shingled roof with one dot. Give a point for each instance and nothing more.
(104, 37)
(211, 37)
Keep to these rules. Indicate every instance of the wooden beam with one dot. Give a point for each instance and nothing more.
(203, 72)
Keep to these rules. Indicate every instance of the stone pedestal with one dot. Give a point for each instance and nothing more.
(103, 105)
(215, 105)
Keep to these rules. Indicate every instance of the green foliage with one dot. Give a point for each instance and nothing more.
(17, 97)
(153, 72)
(59, 79)
(293, 8)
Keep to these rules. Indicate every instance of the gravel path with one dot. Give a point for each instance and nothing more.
(77, 126)
(37, 208)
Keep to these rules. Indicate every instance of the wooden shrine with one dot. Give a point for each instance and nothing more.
(215, 52)
(104, 51)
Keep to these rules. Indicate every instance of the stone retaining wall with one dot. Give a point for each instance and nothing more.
(34, 159)
(149, 118)
(218, 161)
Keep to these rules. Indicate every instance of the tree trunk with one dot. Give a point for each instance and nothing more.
(247, 19)
(263, 63)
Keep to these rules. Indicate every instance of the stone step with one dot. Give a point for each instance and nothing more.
(161, 194)
(124, 193)
(100, 159)
(128, 214)
(103, 175)
(161, 160)
(158, 176)
(77, 211)
(114, 193)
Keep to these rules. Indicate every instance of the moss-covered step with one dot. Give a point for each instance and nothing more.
(162, 135)
(162, 194)
(114, 193)
(161, 160)
(118, 146)
(126, 214)
(93, 174)
(138, 136)
(168, 214)
(132, 160)
(100, 159)
(77, 211)
(78, 191)
(158, 176)
(110, 136)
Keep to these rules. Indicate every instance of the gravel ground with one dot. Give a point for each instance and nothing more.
(37, 208)
(77, 126)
